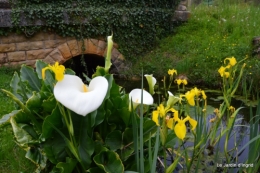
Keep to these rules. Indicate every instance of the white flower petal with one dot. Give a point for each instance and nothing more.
(151, 81)
(69, 92)
(135, 95)
(172, 99)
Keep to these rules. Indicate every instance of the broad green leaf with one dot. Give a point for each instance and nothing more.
(114, 140)
(149, 127)
(29, 129)
(16, 87)
(55, 119)
(22, 136)
(113, 88)
(69, 71)
(67, 167)
(34, 102)
(125, 115)
(55, 148)
(95, 170)
(109, 161)
(86, 144)
(49, 104)
(37, 157)
(6, 118)
(28, 74)
(101, 115)
(39, 66)
(100, 71)
(21, 117)
(128, 145)
(171, 139)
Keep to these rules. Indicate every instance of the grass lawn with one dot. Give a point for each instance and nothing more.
(12, 157)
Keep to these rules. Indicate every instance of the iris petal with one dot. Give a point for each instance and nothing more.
(180, 130)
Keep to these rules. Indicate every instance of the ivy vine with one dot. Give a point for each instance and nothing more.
(136, 24)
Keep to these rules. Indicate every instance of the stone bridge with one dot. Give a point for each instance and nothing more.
(17, 49)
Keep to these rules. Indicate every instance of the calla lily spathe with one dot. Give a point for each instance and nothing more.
(172, 99)
(135, 96)
(76, 96)
(151, 82)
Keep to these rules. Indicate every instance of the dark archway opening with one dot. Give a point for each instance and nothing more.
(85, 64)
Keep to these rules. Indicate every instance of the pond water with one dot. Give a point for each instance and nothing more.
(239, 135)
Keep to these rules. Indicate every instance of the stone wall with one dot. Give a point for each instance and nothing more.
(18, 49)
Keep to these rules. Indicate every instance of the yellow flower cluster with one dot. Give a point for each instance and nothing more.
(174, 123)
(195, 92)
(222, 70)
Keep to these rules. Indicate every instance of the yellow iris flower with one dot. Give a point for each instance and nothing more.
(178, 81)
(161, 112)
(190, 97)
(222, 71)
(181, 81)
(180, 128)
(58, 70)
(203, 95)
(232, 61)
(172, 71)
(184, 81)
(196, 91)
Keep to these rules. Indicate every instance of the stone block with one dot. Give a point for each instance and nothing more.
(74, 48)
(51, 44)
(20, 38)
(65, 51)
(101, 47)
(91, 46)
(30, 45)
(7, 39)
(16, 56)
(7, 47)
(57, 56)
(115, 53)
(181, 16)
(39, 36)
(182, 8)
(3, 58)
(121, 57)
(28, 62)
(49, 60)
(37, 54)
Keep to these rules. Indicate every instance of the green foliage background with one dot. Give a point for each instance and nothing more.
(135, 24)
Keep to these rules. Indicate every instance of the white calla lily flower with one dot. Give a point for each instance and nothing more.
(76, 96)
(151, 82)
(135, 96)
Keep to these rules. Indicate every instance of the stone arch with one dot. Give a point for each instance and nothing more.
(72, 48)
